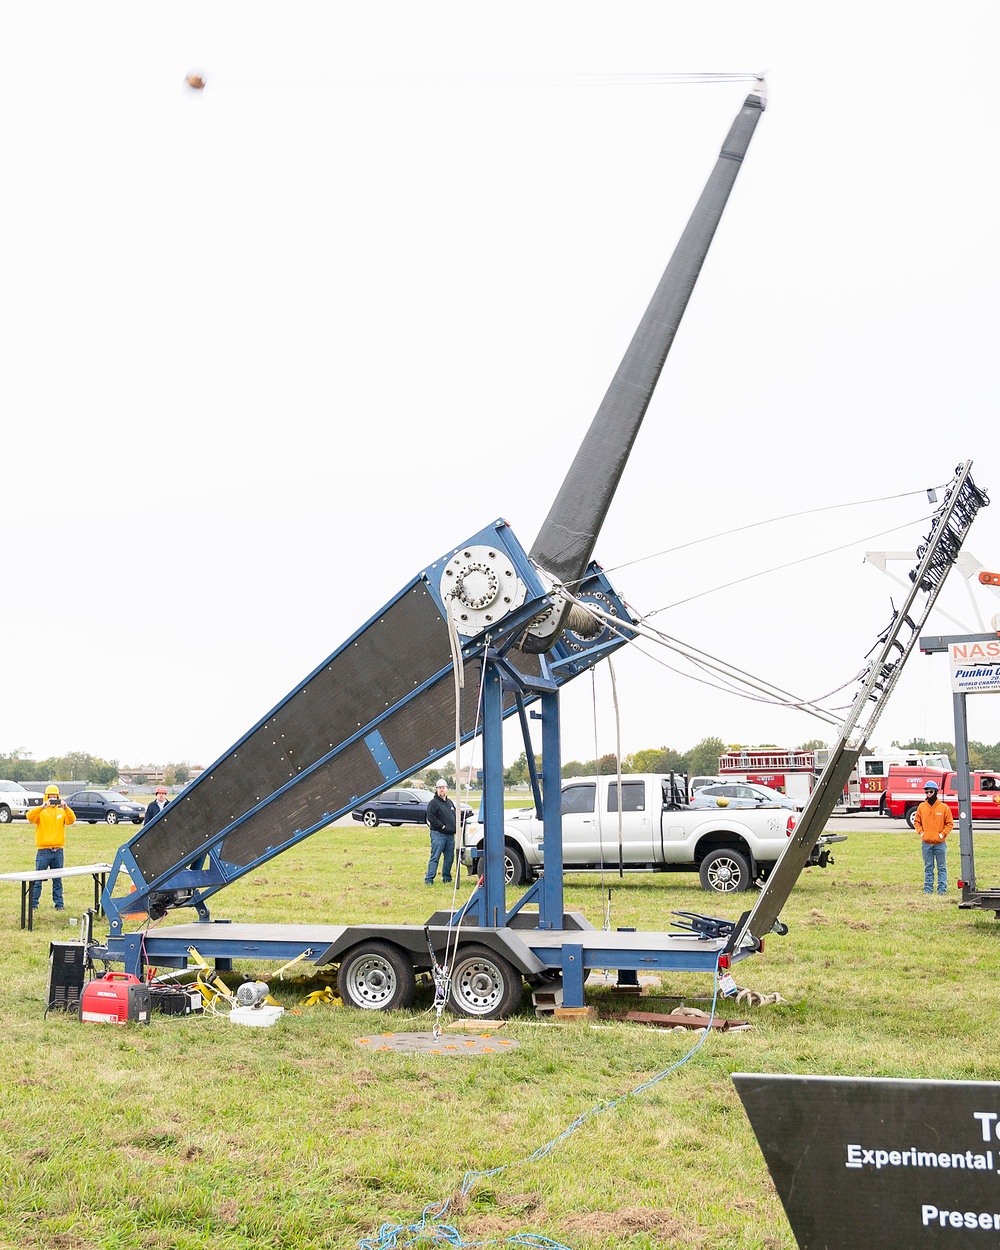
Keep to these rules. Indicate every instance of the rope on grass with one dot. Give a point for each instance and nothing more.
(431, 1229)
(752, 998)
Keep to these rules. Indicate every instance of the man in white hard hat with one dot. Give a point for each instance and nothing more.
(442, 819)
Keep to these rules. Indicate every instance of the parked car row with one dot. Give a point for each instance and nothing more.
(88, 805)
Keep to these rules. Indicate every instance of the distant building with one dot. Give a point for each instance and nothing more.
(152, 774)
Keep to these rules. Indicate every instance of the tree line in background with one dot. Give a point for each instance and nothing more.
(700, 760)
(77, 766)
(703, 758)
(981, 754)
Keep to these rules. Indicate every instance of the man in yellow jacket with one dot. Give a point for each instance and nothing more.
(933, 821)
(50, 821)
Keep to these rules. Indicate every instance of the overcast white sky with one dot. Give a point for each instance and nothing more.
(275, 346)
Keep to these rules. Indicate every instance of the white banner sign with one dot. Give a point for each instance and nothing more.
(975, 667)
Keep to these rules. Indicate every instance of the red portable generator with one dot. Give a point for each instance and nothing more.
(115, 998)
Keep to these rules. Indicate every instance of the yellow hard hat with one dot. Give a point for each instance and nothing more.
(51, 790)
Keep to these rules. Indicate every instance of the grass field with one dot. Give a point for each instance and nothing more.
(196, 1133)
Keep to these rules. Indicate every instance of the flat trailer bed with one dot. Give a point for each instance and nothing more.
(543, 954)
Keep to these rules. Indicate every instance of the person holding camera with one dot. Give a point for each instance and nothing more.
(50, 821)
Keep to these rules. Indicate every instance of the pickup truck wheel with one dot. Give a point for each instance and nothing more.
(515, 871)
(370, 819)
(725, 871)
(484, 984)
(4, 814)
(376, 976)
(910, 816)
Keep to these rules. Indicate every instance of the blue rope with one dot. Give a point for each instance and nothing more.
(430, 1229)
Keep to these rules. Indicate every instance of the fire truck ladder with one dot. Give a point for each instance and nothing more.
(936, 555)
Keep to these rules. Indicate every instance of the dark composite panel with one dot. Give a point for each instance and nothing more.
(398, 651)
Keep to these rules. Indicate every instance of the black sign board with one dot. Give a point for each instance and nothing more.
(875, 1162)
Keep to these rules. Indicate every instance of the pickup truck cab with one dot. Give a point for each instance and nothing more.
(728, 849)
(15, 800)
(905, 791)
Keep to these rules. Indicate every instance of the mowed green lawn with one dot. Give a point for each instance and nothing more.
(195, 1132)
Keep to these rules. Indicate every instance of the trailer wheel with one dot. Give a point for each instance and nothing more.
(484, 984)
(725, 871)
(376, 976)
(910, 815)
(515, 871)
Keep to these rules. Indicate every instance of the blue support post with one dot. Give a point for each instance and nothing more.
(134, 961)
(963, 785)
(529, 754)
(572, 971)
(550, 904)
(494, 888)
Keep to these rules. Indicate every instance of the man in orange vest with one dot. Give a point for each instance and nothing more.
(50, 821)
(933, 821)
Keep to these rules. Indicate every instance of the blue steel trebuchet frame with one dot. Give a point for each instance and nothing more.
(505, 691)
(381, 706)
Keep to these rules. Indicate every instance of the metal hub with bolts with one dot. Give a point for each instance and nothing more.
(480, 586)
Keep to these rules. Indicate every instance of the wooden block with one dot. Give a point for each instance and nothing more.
(679, 1020)
(575, 1013)
(476, 1026)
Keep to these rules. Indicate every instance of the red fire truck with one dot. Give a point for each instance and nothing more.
(796, 772)
(906, 789)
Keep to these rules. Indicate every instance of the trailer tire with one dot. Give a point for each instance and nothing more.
(515, 871)
(725, 871)
(484, 985)
(910, 816)
(376, 976)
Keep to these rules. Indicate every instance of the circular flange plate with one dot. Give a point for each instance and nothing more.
(449, 1047)
(480, 585)
(574, 641)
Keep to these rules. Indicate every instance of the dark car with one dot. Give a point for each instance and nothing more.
(106, 805)
(398, 807)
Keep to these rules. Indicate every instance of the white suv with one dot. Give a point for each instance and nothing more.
(15, 801)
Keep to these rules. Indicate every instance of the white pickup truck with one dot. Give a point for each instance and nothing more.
(15, 800)
(659, 833)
